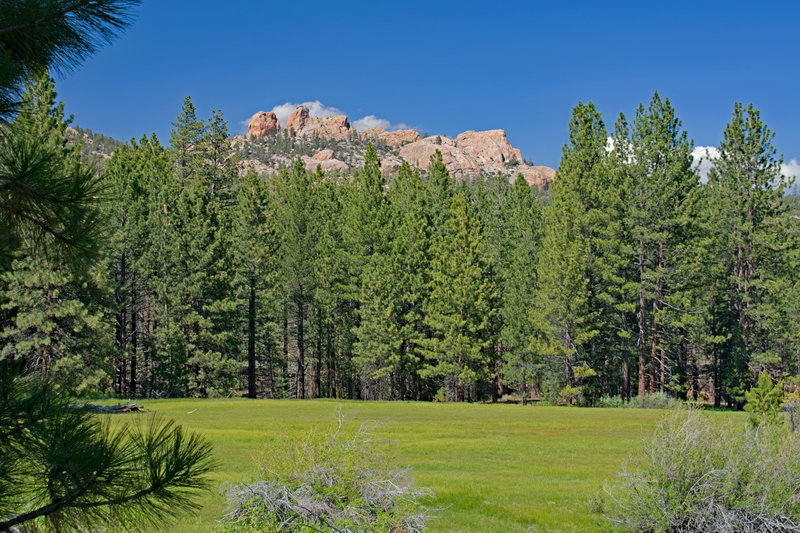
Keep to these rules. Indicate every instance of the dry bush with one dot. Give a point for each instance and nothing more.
(327, 482)
(699, 473)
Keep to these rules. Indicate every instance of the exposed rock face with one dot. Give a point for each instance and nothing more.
(325, 160)
(323, 155)
(491, 145)
(389, 167)
(537, 175)
(469, 155)
(336, 127)
(299, 121)
(262, 124)
(302, 124)
(458, 162)
(392, 138)
(476, 152)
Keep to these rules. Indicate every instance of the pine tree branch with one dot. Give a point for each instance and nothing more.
(45, 19)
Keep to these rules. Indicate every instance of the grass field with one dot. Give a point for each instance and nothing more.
(492, 468)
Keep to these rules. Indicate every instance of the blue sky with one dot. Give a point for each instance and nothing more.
(448, 66)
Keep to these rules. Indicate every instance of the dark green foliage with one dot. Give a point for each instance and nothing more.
(461, 306)
(52, 34)
(59, 328)
(522, 239)
(65, 468)
(47, 198)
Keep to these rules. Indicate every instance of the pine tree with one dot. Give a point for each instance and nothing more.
(47, 198)
(61, 467)
(296, 211)
(411, 232)
(367, 239)
(256, 247)
(460, 308)
(568, 304)
(186, 142)
(489, 196)
(56, 314)
(661, 186)
(335, 310)
(750, 223)
(522, 246)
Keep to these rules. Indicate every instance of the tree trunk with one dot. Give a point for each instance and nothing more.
(318, 357)
(626, 378)
(654, 344)
(567, 358)
(285, 361)
(641, 320)
(301, 346)
(134, 337)
(691, 375)
(251, 339)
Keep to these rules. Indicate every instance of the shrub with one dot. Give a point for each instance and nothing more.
(612, 401)
(702, 474)
(764, 401)
(655, 400)
(326, 482)
(570, 395)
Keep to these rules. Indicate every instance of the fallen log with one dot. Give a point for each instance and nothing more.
(111, 409)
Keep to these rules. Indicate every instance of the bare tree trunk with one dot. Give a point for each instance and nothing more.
(691, 375)
(251, 338)
(301, 345)
(134, 337)
(121, 326)
(641, 319)
(285, 360)
(626, 377)
(654, 343)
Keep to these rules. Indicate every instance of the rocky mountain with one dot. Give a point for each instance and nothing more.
(334, 144)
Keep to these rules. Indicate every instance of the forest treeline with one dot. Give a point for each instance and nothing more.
(632, 275)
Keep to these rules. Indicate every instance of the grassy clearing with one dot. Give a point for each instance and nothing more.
(492, 467)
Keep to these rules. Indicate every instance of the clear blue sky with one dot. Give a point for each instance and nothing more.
(448, 66)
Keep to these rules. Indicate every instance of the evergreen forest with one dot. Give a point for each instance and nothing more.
(631, 275)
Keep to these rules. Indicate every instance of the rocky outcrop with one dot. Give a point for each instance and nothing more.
(262, 124)
(336, 127)
(476, 152)
(536, 175)
(325, 160)
(469, 155)
(389, 167)
(301, 124)
(391, 138)
(460, 164)
(491, 145)
(299, 121)
(323, 155)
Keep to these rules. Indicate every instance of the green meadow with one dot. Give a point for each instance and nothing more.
(492, 468)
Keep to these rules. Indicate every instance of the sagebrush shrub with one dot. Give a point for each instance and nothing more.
(326, 481)
(702, 473)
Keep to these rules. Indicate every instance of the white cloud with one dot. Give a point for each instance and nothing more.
(371, 121)
(704, 157)
(315, 109)
(792, 168)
